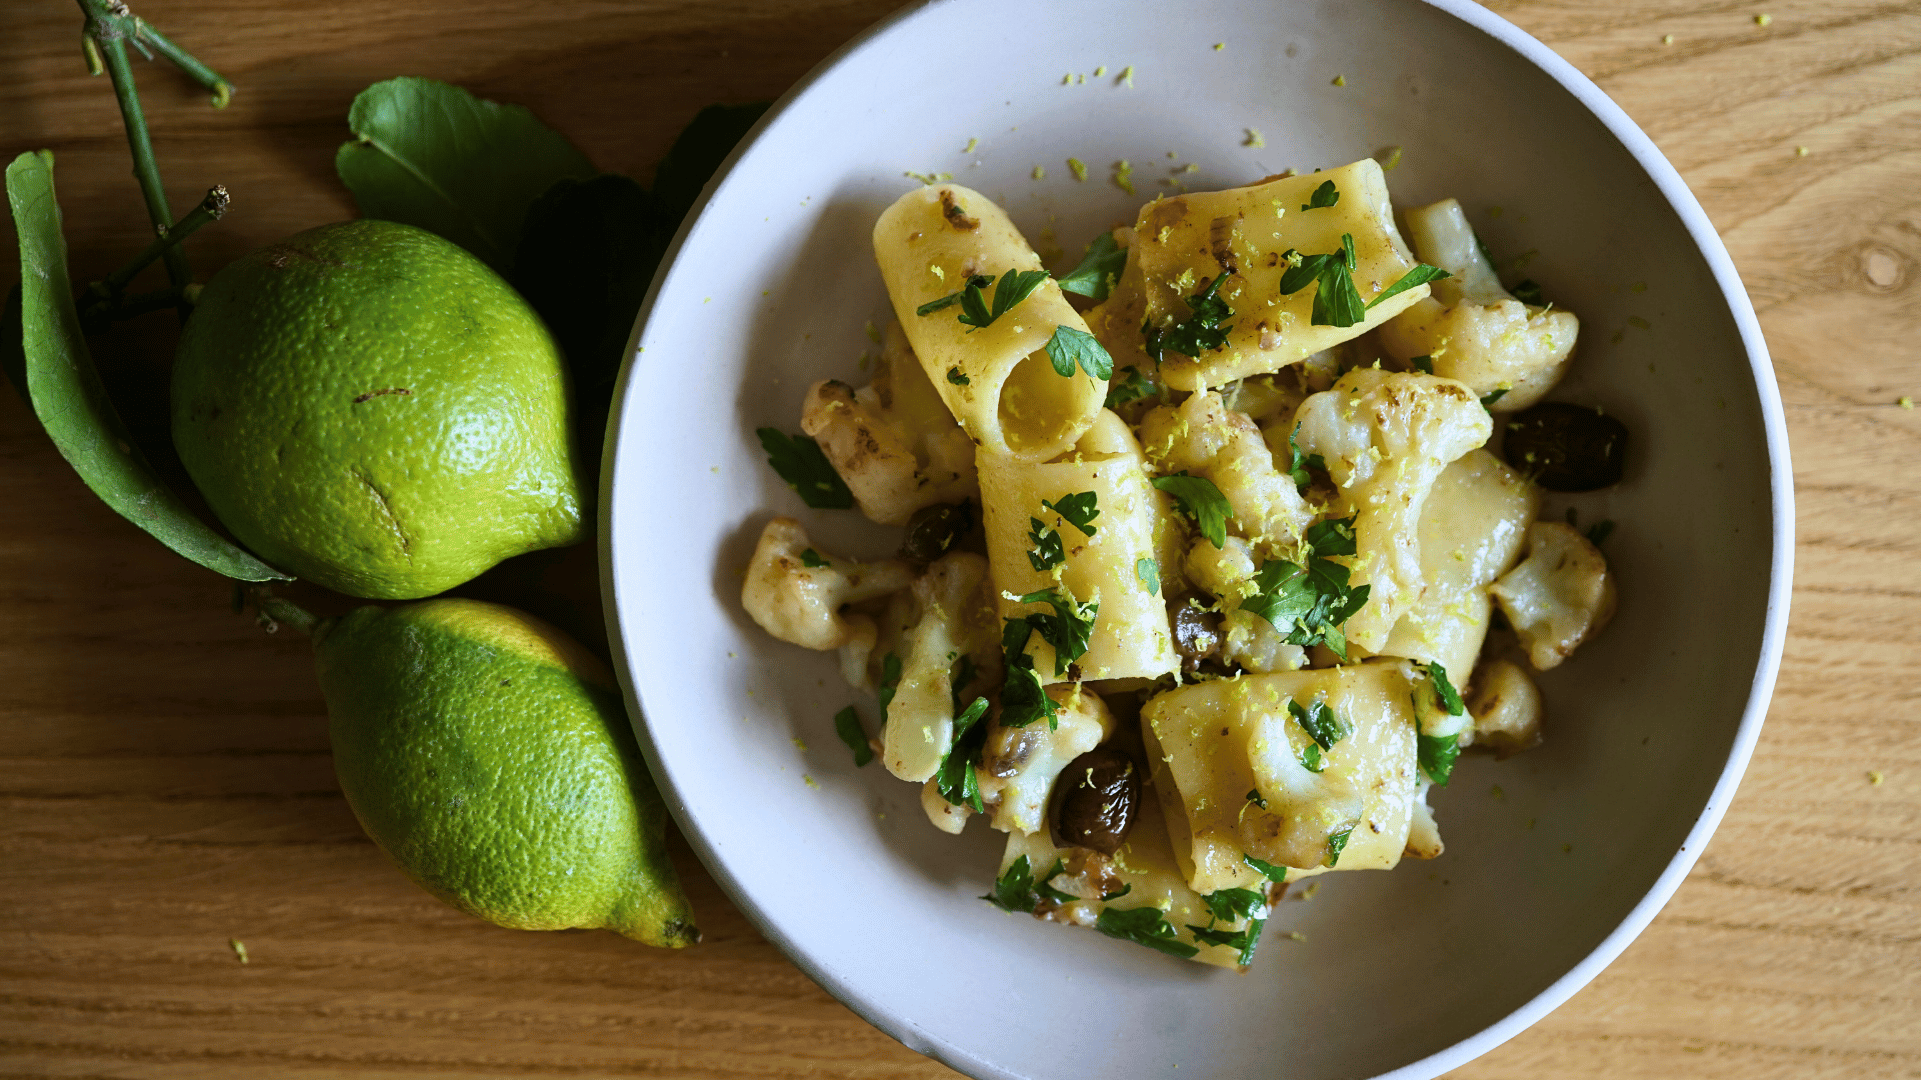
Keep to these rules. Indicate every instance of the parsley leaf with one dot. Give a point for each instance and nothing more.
(1324, 196)
(847, 726)
(1527, 292)
(1080, 509)
(1023, 698)
(1144, 926)
(956, 779)
(1598, 532)
(1118, 893)
(811, 559)
(1199, 332)
(1322, 724)
(975, 283)
(1268, 870)
(1017, 890)
(1420, 275)
(1242, 941)
(1337, 302)
(1436, 754)
(1488, 400)
(1443, 689)
(1309, 603)
(1148, 573)
(1134, 387)
(799, 461)
(889, 682)
(1254, 796)
(1067, 629)
(1422, 364)
(1298, 463)
(1048, 551)
(954, 376)
(1311, 759)
(1100, 267)
(1069, 346)
(1336, 844)
(1200, 500)
(1014, 286)
(1229, 905)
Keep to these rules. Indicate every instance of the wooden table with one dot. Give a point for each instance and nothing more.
(165, 784)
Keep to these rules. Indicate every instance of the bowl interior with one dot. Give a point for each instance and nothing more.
(774, 286)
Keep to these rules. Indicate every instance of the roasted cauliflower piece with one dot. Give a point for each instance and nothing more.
(1247, 639)
(952, 616)
(801, 603)
(1559, 596)
(1506, 707)
(1202, 436)
(894, 441)
(1385, 438)
(1471, 328)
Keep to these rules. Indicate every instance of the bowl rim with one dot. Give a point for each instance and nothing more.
(1700, 230)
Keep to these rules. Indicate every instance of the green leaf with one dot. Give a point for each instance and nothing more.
(1324, 196)
(437, 157)
(1254, 796)
(1067, 629)
(847, 726)
(1018, 891)
(1337, 843)
(1443, 689)
(1132, 388)
(1232, 905)
(66, 393)
(698, 153)
(799, 461)
(1298, 463)
(957, 779)
(1422, 364)
(1310, 603)
(1144, 926)
(1148, 573)
(1200, 500)
(1242, 941)
(1436, 754)
(889, 682)
(1200, 332)
(1100, 267)
(1048, 551)
(1023, 699)
(974, 285)
(1488, 400)
(1322, 724)
(1069, 347)
(1337, 302)
(1015, 286)
(954, 376)
(1080, 509)
(811, 559)
(1420, 275)
(1268, 870)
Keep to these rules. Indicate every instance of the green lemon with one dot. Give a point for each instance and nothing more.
(370, 407)
(489, 755)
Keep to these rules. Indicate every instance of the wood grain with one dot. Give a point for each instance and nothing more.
(165, 782)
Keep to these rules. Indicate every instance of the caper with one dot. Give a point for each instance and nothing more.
(1566, 447)
(934, 530)
(1097, 799)
(1197, 631)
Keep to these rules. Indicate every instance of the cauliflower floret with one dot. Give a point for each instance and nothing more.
(1021, 764)
(801, 603)
(1247, 639)
(1385, 438)
(1470, 327)
(894, 442)
(1560, 595)
(1506, 707)
(1202, 436)
(953, 616)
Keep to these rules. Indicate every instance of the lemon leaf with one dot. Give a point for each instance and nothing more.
(435, 156)
(67, 395)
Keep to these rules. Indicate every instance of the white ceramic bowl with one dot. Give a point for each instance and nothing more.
(1406, 973)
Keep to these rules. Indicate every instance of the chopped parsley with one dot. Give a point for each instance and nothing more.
(1080, 509)
(1023, 698)
(1268, 870)
(1598, 532)
(847, 726)
(1200, 500)
(1069, 347)
(957, 779)
(1148, 573)
(1310, 603)
(1118, 893)
(1337, 843)
(1437, 753)
(799, 461)
(1014, 286)
(1133, 387)
(1336, 301)
(1298, 463)
(1324, 196)
(1242, 941)
(1422, 364)
(811, 559)
(889, 682)
(1443, 689)
(1017, 890)
(1068, 629)
(1048, 551)
(1199, 332)
(1230, 905)
(1254, 796)
(1487, 401)
(1322, 724)
(1099, 269)
(1144, 926)
(954, 376)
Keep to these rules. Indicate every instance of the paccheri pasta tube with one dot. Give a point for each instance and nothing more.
(997, 379)
(1133, 527)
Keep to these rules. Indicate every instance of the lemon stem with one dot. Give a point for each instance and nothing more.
(274, 611)
(107, 292)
